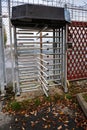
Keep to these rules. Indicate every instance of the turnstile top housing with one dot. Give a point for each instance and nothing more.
(31, 15)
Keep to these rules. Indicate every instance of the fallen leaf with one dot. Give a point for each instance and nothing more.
(43, 119)
(16, 120)
(60, 127)
(32, 123)
(23, 128)
(55, 114)
(45, 126)
(26, 115)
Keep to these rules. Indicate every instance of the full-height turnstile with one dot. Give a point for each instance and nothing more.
(40, 47)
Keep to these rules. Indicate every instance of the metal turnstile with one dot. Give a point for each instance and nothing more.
(39, 58)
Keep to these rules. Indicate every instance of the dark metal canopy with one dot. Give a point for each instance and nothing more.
(30, 15)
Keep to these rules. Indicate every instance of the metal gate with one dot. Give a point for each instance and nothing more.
(39, 59)
(77, 56)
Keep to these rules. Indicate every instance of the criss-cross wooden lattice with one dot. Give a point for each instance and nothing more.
(77, 56)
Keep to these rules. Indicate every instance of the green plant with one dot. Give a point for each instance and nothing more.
(37, 102)
(49, 99)
(15, 106)
(68, 96)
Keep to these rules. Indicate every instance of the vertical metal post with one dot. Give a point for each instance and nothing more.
(12, 59)
(41, 56)
(2, 76)
(62, 64)
(3, 56)
(54, 51)
(65, 62)
(16, 64)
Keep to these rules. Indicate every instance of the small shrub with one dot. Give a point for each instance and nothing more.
(15, 106)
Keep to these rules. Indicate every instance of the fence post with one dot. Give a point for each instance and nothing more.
(2, 64)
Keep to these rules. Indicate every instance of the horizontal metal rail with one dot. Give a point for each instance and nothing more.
(32, 43)
(42, 60)
(30, 88)
(27, 80)
(27, 66)
(26, 69)
(27, 77)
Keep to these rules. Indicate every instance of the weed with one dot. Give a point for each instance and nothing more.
(49, 99)
(68, 96)
(37, 102)
(15, 106)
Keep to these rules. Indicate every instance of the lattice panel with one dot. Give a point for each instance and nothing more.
(77, 57)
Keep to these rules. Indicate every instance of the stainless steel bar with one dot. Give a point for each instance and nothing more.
(54, 64)
(62, 63)
(24, 80)
(27, 57)
(43, 36)
(43, 66)
(25, 39)
(29, 33)
(28, 85)
(50, 54)
(25, 30)
(30, 88)
(51, 58)
(54, 75)
(43, 72)
(21, 44)
(28, 77)
(43, 29)
(27, 48)
(27, 66)
(29, 74)
(65, 62)
(55, 85)
(27, 60)
(45, 91)
(42, 77)
(25, 54)
(16, 63)
(26, 69)
(46, 88)
(29, 82)
(25, 63)
(28, 42)
(50, 80)
(43, 60)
